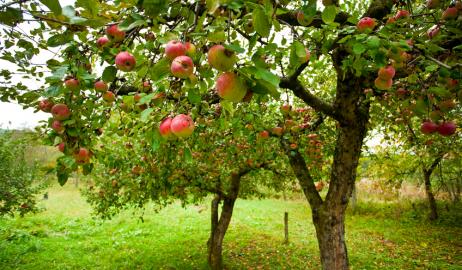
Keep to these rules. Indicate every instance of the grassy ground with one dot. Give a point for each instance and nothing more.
(65, 236)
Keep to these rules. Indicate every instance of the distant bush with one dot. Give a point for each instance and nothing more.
(18, 185)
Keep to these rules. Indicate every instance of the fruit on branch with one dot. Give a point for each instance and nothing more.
(432, 32)
(182, 67)
(277, 131)
(136, 97)
(306, 58)
(114, 33)
(401, 92)
(450, 13)
(101, 86)
(174, 48)
(165, 128)
(264, 134)
(109, 97)
(146, 86)
(45, 105)
(57, 126)
(383, 84)
(285, 109)
(231, 87)
(428, 127)
(82, 155)
(182, 126)
(366, 24)
(447, 128)
(60, 111)
(102, 41)
(293, 146)
(402, 14)
(451, 83)
(61, 146)
(446, 105)
(302, 19)
(72, 84)
(125, 61)
(221, 58)
(431, 4)
(386, 73)
(190, 49)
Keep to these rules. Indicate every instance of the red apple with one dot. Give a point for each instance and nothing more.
(109, 97)
(190, 49)
(60, 111)
(147, 86)
(386, 73)
(45, 105)
(164, 128)
(72, 84)
(277, 131)
(101, 86)
(182, 67)
(450, 13)
(182, 126)
(428, 127)
(383, 84)
(285, 109)
(452, 83)
(366, 24)
(125, 61)
(221, 58)
(137, 97)
(57, 126)
(82, 155)
(231, 87)
(174, 48)
(102, 41)
(61, 147)
(293, 146)
(264, 134)
(432, 32)
(447, 128)
(402, 14)
(114, 33)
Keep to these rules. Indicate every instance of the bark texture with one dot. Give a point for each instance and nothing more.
(427, 173)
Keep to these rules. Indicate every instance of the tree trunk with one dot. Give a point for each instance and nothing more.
(431, 198)
(220, 226)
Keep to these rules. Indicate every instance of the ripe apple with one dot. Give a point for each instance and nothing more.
(428, 127)
(190, 49)
(221, 58)
(450, 13)
(174, 48)
(231, 87)
(386, 73)
(109, 97)
(293, 146)
(45, 105)
(285, 109)
(431, 4)
(125, 61)
(114, 33)
(264, 134)
(61, 147)
(366, 24)
(60, 111)
(102, 41)
(57, 126)
(402, 14)
(164, 128)
(147, 86)
(383, 84)
(277, 131)
(82, 155)
(72, 84)
(182, 67)
(182, 126)
(432, 32)
(447, 128)
(101, 86)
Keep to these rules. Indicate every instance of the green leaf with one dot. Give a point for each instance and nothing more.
(155, 140)
(147, 98)
(160, 70)
(329, 13)
(53, 5)
(439, 91)
(128, 25)
(188, 158)
(266, 75)
(373, 42)
(70, 13)
(234, 47)
(155, 7)
(261, 22)
(62, 176)
(358, 48)
(109, 74)
(10, 16)
(193, 95)
(91, 6)
(145, 114)
(60, 39)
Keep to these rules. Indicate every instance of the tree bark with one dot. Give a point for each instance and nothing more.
(427, 172)
(220, 226)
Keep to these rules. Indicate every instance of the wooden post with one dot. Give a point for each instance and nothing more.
(286, 227)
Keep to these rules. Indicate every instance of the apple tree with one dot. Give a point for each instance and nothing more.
(196, 51)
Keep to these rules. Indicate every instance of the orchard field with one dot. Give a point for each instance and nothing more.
(66, 236)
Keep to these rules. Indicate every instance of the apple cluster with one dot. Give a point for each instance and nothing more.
(181, 126)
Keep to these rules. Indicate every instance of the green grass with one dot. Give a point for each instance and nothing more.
(66, 236)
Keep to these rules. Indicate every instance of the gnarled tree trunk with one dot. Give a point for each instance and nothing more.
(427, 172)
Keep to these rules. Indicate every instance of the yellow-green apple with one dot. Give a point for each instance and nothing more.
(182, 126)
(190, 49)
(231, 87)
(386, 73)
(125, 61)
(447, 128)
(101, 86)
(165, 128)
(182, 67)
(174, 48)
(60, 111)
(109, 97)
(221, 58)
(383, 84)
(366, 24)
(114, 33)
(45, 105)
